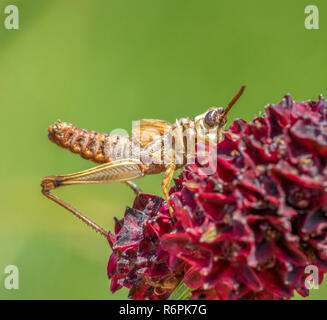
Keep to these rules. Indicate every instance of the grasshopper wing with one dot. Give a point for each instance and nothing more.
(147, 130)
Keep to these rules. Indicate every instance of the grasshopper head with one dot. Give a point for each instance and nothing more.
(210, 120)
(213, 120)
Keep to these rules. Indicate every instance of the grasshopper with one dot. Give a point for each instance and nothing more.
(155, 146)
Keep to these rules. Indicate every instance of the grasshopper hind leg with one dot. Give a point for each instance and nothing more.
(118, 171)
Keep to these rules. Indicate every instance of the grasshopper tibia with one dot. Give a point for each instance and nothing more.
(123, 171)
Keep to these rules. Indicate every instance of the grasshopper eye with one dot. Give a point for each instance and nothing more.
(211, 118)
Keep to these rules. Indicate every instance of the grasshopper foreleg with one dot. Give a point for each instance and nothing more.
(134, 187)
(165, 185)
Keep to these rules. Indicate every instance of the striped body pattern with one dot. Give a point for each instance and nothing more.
(177, 142)
(91, 145)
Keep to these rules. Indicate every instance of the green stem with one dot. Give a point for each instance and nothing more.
(182, 292)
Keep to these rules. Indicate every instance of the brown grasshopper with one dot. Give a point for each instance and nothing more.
(155, 146)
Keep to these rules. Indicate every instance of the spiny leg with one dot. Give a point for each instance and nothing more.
(110, 172)
(75, 212)
(165, 185)
(134, 187)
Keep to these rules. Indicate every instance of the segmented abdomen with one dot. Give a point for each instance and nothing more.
(91, 145)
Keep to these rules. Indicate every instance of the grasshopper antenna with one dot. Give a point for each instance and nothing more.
(233, 101)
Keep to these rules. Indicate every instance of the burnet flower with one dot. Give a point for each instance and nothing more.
(246, 232)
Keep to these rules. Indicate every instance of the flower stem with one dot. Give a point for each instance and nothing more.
(181, 292)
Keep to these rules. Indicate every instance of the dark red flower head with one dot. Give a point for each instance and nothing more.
(138, 262)
(246, 232)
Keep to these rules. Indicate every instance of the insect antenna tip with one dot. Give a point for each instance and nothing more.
(233, 101)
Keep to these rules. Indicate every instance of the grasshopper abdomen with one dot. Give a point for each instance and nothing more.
(91, 145)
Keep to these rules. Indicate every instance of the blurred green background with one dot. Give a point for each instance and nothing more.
(101, 64)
